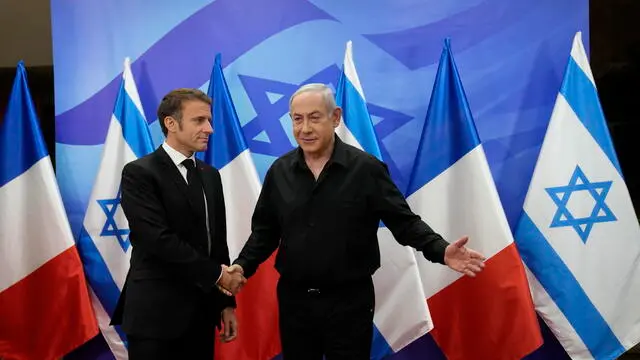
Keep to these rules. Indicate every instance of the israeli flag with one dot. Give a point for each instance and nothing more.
(104, 238)
(578, 234)
(401, 314)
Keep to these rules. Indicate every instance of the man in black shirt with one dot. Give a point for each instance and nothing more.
(321, 204)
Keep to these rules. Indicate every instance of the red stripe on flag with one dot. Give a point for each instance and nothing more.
(48, 313)
(488, 317)
(257, 313)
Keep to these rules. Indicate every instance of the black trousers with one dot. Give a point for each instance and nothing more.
(335, 322)
(196, 343)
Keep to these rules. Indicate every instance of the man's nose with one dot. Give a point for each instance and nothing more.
(306, 126)
(208, 128)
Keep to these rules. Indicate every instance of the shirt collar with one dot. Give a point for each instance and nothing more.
(338, 156)
(176, 156)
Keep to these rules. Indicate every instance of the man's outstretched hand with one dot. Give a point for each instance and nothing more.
(463, 260)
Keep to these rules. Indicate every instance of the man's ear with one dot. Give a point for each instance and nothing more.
(336, 116)
(170, 123)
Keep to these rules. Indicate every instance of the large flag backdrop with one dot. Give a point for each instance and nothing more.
(512, 54)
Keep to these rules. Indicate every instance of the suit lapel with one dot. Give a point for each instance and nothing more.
(172, 172)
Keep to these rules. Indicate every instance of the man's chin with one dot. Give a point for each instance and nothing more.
(309, 148)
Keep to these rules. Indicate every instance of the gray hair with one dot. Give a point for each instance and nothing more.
(324, 90)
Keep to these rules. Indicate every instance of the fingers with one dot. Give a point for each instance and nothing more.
(477, 262)
(223, 335)
(228, 337)
(230, 326)
(233, 330)
(237, 282)
(476, 255)
(231, 282)
(476, 268)
(461, 242)
(224, 291)
(469, 273)
(472, 267)
(227, 330)
(235, 268)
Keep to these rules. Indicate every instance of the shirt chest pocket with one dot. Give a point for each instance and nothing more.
(351, 212)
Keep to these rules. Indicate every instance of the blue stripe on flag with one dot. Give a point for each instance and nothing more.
(449, 131)
(134, 127)
(21, 142)
(227, 141)
(356, 116)
(98, 275)
(565, 290)
(582, 96)
(379, 348)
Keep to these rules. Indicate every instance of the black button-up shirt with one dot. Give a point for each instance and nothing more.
(327, 229)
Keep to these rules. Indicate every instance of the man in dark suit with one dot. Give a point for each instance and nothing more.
(171, 303)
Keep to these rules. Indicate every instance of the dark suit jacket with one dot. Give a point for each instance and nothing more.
(171, 280)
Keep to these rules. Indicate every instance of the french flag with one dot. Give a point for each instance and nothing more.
(451, 187)
(45, 309)
(401, 315)
(257, 311)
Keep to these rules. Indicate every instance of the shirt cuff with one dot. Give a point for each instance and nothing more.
(435, 249)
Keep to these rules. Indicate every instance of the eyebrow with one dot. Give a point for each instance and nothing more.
(316, 112)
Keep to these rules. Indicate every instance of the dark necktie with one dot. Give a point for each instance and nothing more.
(196, 196)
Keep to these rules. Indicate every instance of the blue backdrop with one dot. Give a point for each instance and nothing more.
(511, 55)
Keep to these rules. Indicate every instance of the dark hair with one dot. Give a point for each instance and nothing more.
(171, 104)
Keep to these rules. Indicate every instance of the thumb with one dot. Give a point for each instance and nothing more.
(235, 268)
(461, 242)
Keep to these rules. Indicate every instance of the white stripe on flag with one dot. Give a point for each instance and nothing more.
(345, 135)
(402, 314)
(350, 70)
(46, 228)
(556, 320)
(130, 87)
(463, 204)
(116, 345)
(241, 190)
(580, 57)
(106, 187)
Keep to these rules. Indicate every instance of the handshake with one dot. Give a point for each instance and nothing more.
(232, 279)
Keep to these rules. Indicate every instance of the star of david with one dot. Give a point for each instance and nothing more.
(600, 212)
(270, 99)
(110, 228)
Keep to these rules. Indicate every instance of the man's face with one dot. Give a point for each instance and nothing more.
(313, 124)
(192, 132)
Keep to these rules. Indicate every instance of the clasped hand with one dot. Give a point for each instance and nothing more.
(232, 279)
